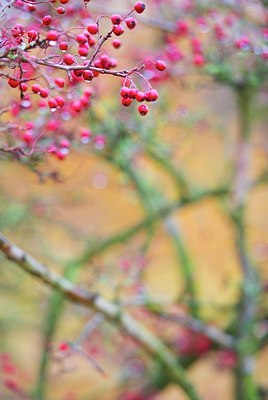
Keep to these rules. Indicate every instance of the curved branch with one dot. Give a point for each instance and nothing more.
(149, 342)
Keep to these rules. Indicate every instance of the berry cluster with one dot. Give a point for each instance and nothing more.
(48, 56)
(228, 42)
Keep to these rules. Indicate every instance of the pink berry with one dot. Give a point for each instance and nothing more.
(13, 83)
(199, 60)
(36, 88)
(118, 30)
(93, 29)
(131, 23)
(63, 46)
(143, 109)
(47, 20)
(117, 43)
(52, 103)
(60, 101)
(126, 101)
(139, 7)
(68, 59)
(81, 38)
(160, 65)
(60, 10)
(116, 19)
(52, 35)
(140, 96)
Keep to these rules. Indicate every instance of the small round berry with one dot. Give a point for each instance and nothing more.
(88, 75)
(118, 30)
(13, 83)
(27, 137)
(32, 35)
(199, 60)
(23, 87)
(132, 93)
(60, 10)
(116, 43)
(76, 106)
(63, 46)
(143, 109)
(60, 101)
(151, 95)
(52, 35)
(60, 82)
(131, 23)
(47, 20)
(93, 29)
(83, 52)
(116, 19)
(68, 59)
(44, 93)
(52, 104)
(124, 92)
(126, 101)
(36, 88)
(78, 73)
(64, 1)
(139, 7)
(81, 38)
(160, 65)
(140, 96)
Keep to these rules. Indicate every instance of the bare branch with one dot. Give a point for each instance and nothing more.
(150, 343)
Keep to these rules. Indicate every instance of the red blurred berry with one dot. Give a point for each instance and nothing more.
(143, 109)
(139, 7)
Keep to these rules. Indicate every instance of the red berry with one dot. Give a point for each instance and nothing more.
(132, 93)
(143, 109)
(63, 46)
(60, 10)
(77, 106)
(17, 30)
(83, 51)
(32, 35)
(93, 29)
(88, 75)
(131, 23)
(182, 28)
(60, 101)
(140, 96)
(23, 87)
(126, 101)
(47, 20)
(64, 1)
(160, 65)
(139, 7)
(78, 73)
(124, 92)
(52, 104)
(118, 30)
(81, 38)
(199, 60)
(44, 93)
(116, 43)
(60, 82)
(68, 59)
(52, 35)
(27, 136)
(13, 83)
(36, 88)
(151, 95)
(116, 19)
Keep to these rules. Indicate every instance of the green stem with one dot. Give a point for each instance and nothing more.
(246, 388)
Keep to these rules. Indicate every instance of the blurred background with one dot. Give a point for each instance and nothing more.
(56, 210)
